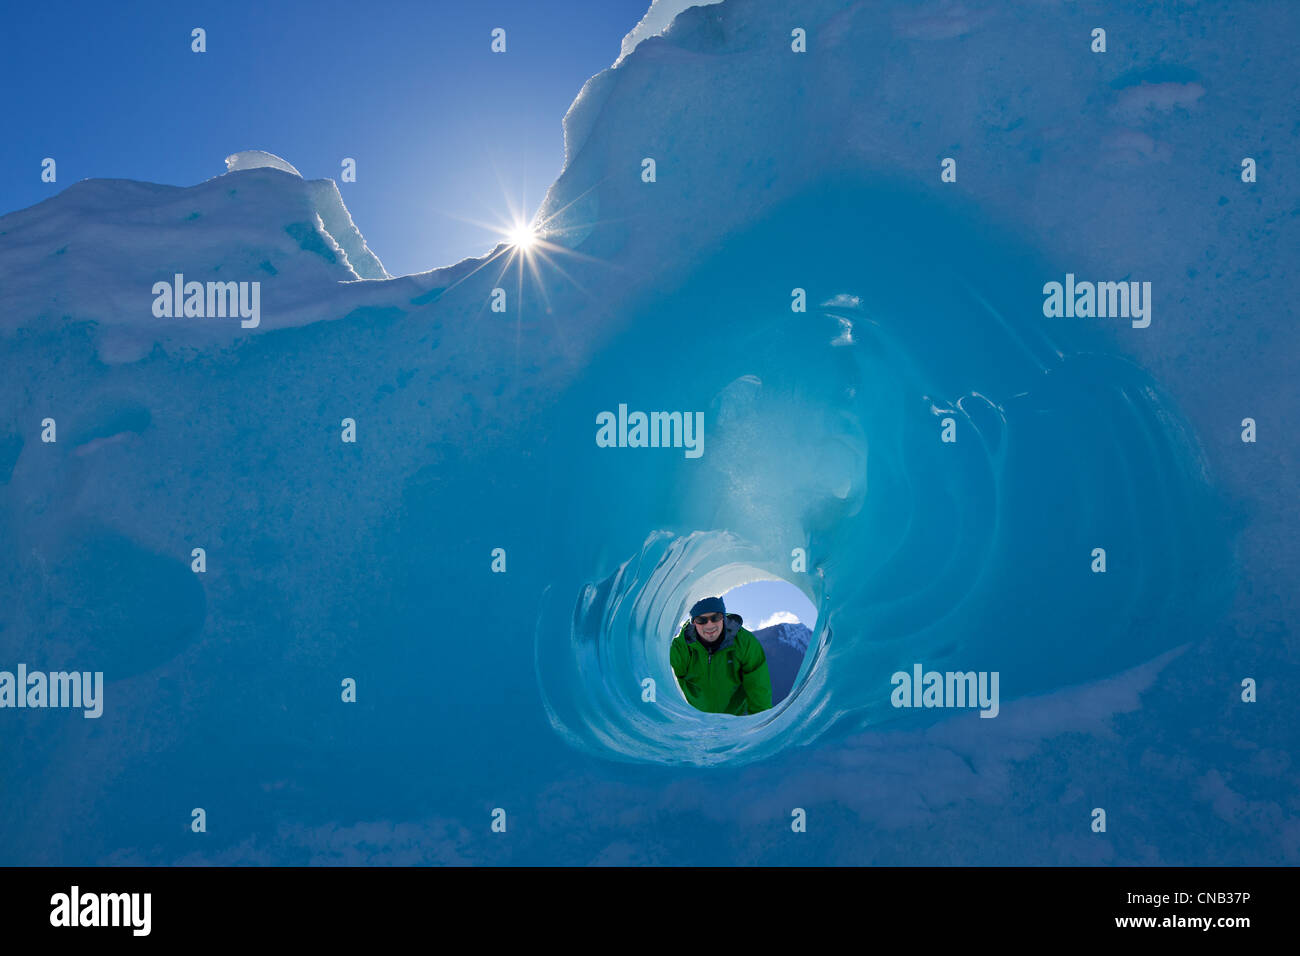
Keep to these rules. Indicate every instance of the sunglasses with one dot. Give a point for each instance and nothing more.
(708, 619)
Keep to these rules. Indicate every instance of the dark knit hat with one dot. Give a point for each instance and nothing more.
(708, 605)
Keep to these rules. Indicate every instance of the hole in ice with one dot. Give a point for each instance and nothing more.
(746, 658)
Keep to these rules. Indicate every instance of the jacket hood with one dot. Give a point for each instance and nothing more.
(730, 627)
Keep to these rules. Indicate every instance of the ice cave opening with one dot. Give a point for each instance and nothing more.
(783, 619)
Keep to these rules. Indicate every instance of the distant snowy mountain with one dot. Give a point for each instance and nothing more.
(795, 634)
(785, 645)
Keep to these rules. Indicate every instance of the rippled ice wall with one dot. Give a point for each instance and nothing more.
(523, 690)
(823, 433)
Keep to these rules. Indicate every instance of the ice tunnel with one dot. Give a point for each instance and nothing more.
(824, 438)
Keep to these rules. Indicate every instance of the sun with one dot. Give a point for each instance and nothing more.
(529, 253)
(522, 236)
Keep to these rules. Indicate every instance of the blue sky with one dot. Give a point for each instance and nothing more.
(442, 129)
(758, 601)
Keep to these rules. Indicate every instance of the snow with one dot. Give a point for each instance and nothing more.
(258, 159)
(526, 688)
(657, 19)
(336, 222)
(93, 252)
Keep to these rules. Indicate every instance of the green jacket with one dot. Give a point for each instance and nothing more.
(731, 680)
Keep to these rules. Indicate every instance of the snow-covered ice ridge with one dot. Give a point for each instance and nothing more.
(333, 219)
(94, 252)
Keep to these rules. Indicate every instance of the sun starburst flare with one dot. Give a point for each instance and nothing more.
(530, 261)
(522, 236)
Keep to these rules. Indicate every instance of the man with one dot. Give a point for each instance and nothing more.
(720, 666)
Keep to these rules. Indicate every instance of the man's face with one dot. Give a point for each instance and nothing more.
(709, 626)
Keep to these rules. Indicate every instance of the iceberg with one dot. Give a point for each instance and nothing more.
(362, 574)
